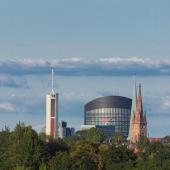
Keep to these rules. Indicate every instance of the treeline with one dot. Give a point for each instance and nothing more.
(24, 149)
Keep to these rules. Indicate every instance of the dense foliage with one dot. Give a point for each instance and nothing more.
(24, 149)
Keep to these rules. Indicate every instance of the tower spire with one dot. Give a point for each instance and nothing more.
(52, 80)
(140, 103)
(52, 111)
(139, 123)
(133, 108)
(140, 91)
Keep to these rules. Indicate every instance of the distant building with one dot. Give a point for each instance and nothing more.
(87, 127)
(52, 113)
(139, 122)
(64, 131)
(155, 140)
(108, 130)
(110, 113)
(70, 131)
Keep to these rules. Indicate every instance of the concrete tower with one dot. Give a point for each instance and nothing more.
(133, 109)
(139, 122)
(52, 112)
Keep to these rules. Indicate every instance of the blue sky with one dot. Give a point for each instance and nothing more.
(97, 46)
(91, 28)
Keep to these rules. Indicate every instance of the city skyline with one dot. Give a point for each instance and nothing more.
(72, 100)
(96, 47)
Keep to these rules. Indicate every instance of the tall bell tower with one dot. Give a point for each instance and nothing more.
(52, 111)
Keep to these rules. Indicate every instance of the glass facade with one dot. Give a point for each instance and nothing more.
(117, 117)
(108, 130)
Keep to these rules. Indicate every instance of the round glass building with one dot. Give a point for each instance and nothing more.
(112, 111)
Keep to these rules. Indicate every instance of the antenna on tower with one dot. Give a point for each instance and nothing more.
(52, 80)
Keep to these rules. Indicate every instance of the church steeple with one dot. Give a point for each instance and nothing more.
(139, 123)
(139, 103)
(140, 90)
(133, 109)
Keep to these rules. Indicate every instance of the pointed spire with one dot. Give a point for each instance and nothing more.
(140, 91)
(139, 126)
(135, 96)
(133, 109)
(52, 80)
(144, 118)
(139, 103)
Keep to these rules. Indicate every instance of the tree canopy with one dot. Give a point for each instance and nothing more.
(25, 149)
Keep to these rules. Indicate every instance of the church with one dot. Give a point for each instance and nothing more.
(138, 124)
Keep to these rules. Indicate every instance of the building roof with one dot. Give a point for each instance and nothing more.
(155, 139)
(109, 102)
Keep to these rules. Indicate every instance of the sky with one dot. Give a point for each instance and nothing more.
(96, 47)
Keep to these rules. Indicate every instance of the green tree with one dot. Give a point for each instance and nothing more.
(85, 156)
(54, 147)
(4, 149)
(26, 149)
(166, 165)
(118, 139)
(71, 139)
(61, 161)
(95, 135)
(166, 140)
(119, 158)
(81, 135)
(43, 137)
(92, 135)
(43, 167)
(21, 168)
(144, 148)
(157, 160)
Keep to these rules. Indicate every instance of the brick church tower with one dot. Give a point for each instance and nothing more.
(139, 122)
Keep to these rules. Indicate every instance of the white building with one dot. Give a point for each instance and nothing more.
(62, 129)
(52, 112)
(87, 127)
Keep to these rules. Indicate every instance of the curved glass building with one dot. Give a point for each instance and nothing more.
(112, 111)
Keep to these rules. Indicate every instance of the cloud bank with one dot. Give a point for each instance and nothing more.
(113, 66)
(6, 106)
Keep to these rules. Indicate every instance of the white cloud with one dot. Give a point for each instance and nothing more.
(157, 105)
(166, 102)
(7, 106)
(88, 66)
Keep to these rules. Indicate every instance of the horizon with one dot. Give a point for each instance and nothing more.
(33, 110)
(96, 48)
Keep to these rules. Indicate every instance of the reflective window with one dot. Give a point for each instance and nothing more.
(119, 117)
(102, 110)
